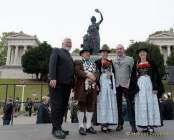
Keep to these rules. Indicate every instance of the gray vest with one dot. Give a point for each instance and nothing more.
(123, 68)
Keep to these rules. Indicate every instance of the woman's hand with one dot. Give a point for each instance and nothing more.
(155, 91)
(109, 74)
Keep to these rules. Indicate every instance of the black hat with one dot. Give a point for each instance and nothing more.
(105, 48)
(142, 49)
(85, 50)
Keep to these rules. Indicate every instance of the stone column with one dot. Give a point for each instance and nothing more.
(8, 55)
(22, 53)
(25, 49)
(12, 55)
(16, 56)
(168, 51)
(160, 48)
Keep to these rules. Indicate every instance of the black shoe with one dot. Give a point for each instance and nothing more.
(82, 131)
(151, 130)
(66, 132)
(104, 129)
(134, 129)
(109, 130)
(91, 130)
(59, 134)
(145, 130)
(119, 128)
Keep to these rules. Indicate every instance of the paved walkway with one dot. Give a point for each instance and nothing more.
(42, 132)
(28, 120)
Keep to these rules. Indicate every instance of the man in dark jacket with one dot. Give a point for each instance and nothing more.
(61, 77)
(8, 110)
(30, 106)
(167, 107)
(43, 114)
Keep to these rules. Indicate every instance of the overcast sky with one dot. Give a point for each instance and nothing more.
(52, 20)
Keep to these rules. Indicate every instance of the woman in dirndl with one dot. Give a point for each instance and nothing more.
(147, 88)
(106, 99)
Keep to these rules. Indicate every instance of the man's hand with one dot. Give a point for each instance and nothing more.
(75, 102)
(91, 76)
(127, 86)
(53, 83)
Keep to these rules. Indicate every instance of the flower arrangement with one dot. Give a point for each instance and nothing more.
(106, 64)
(107, 67)
(143, 69)
(143, 65)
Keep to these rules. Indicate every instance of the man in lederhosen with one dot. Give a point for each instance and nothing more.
(85, 90)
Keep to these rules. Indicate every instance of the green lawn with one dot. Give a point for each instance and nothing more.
(32, 91)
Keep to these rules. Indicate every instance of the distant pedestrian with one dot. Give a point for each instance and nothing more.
(30, 106)
(8, 110)
(43, 114)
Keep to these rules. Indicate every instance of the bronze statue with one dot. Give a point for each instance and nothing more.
(92, 39)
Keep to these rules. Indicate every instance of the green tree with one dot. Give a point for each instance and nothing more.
(107, 46)
(154, 50)
(170, 59)
(113, 50)
(77, 50)
(3, 53)
(36, 60)
(3, 46)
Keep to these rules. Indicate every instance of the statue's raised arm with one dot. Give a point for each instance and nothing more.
(98, 11)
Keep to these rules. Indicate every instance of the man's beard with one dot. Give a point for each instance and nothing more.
(67, 48)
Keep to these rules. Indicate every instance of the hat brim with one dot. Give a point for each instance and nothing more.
(82, 51)
(142, 49)
(105, 51)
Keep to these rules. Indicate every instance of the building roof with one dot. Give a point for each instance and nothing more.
(162, 35)
(22, 36)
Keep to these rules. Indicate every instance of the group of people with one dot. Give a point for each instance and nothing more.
(100, 85)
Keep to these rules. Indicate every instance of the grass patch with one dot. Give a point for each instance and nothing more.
(168, 88)
(32, 91)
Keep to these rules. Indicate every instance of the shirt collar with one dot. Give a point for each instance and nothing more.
(118, 57)
(85, 59)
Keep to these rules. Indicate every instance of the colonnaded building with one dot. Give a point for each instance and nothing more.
(19, 43)
(165, 41)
